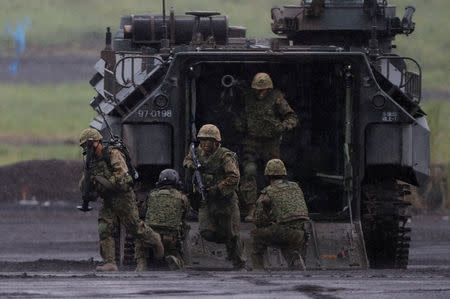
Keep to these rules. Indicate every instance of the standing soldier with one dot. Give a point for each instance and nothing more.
(279, 218)
(219, 216)
(167, 209)
(112, 182)
(265, 117)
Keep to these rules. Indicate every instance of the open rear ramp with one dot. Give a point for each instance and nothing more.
(332, 245)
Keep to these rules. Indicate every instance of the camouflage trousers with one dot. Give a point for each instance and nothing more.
(289, 238)
(172, 242)
(256, 153)
(122, 206)
(219, 222)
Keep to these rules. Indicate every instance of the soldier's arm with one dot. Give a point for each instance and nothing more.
(186, 206)
(288, 115)
(261, 214)
(120, 176)
(231, 181)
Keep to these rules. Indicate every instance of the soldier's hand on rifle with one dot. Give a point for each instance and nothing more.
(104, 183)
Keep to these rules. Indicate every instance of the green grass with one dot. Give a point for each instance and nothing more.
(46, 111)
(71, 23)
(438, 119)
(43, 114)
(67, 21)
(15, 153)
(76, 24)
(430, 41)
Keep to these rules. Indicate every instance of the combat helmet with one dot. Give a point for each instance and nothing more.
(209, 131)
(90, 134)
(169, 177)
(262, 81)
(275, 167)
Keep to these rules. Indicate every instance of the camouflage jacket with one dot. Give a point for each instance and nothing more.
(220, 171)
(266, 118)
(167, 208)
(112, 166)
(280, 203)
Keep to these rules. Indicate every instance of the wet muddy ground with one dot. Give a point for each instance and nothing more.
(51, 251)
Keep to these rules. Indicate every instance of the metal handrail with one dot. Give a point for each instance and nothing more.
(401, 80)
(122, 62)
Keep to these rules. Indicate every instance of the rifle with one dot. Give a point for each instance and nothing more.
(86, 194)
(197, 173)
(117, 142)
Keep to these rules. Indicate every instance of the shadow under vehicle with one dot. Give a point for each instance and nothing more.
(362, 136)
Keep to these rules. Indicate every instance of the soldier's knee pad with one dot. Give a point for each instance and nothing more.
(208, 235)
(250, 170)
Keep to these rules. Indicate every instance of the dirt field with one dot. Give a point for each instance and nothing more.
(45, 181)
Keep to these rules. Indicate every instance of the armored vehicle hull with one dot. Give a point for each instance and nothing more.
(361, 138)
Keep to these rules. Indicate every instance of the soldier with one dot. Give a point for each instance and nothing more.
(279, 218)
(265, 117)
(112, 182)
(219, 216)
(167, 209)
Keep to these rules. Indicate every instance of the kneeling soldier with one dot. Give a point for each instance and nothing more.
(167, 209)
(280, 215)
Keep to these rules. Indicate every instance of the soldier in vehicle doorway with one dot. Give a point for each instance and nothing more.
(111, 181)
(167, 208)
(280, 219)
(219, 218)
(265, 117)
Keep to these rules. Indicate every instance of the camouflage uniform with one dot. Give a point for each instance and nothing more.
(219, 217)
(280, 213)
(262, 121)
(167, 209)
(117, 203)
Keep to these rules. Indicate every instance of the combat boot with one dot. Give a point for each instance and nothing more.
(111, 266)
(298, 264)
(174, 263)
(258, 262)
(251, 212)
(141, 265)
(241, 268)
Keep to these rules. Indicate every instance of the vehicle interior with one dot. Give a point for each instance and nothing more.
(313, 151)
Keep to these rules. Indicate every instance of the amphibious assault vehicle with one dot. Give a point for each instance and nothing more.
(362, 137)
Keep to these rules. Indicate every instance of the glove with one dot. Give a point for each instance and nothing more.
(103, 183)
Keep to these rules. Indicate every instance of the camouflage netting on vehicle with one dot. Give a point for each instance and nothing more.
(52, 180)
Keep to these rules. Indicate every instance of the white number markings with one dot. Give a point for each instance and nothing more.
(145, 113)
